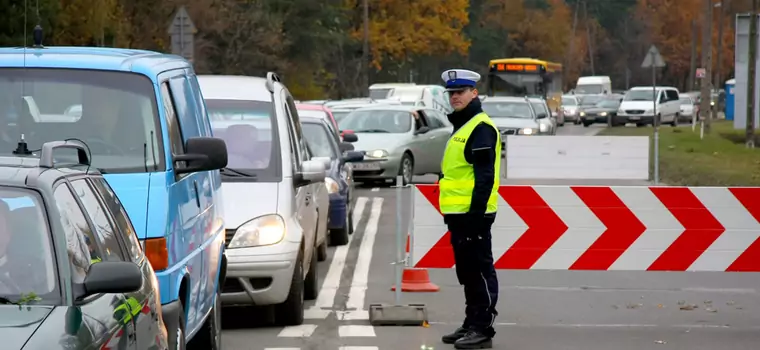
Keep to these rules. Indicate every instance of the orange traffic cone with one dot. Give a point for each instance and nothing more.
(415, 279)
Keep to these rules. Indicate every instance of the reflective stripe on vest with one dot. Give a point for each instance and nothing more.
(131, 308)
(458, 175)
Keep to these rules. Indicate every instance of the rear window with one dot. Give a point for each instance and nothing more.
(250, 132)
(377, 121)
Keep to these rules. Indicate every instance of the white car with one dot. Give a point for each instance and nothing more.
(688, 108)
(570, 110)
(547, 123)
(275, 198)
(638, 105)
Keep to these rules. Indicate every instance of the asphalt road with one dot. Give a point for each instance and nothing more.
(543, 310)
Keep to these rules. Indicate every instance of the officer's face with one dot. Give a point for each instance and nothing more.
(460, 99)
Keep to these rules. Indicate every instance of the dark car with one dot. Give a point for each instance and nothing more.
(601, 111)
(73, 274)
(339, 178)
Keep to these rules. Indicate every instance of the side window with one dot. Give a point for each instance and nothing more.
(297, 123)
(184, 104)
(295, 153)
(175, 134)
(433, 121)
(80, 241)
(672, 95)
(121, 219)
(99, 217)
(201, 106)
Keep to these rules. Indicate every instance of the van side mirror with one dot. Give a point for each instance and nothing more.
(311, 171)
(345, 146)
(202, 154)
(350, 137)
(541, 115)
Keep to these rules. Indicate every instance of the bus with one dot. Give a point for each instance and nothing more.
(526, 77)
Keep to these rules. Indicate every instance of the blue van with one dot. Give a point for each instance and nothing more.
(144, 120)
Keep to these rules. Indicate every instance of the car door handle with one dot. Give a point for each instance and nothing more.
(197, 194)
(307, 199)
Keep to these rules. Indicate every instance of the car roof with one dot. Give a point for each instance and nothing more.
(401, 108)
(650, 88)
(149, 63)
(15, 171)
(503, 99)
(312, 120)
(310, 107)
(234, 87)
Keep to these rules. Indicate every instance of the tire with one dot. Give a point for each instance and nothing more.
(322, 250)
(177, 337)
(290, 312)
(209, 337)
(406, 176)
(675, 121)
(561, 124)
(585, 124)
(351, 222)
(340, 236)
(311, 282)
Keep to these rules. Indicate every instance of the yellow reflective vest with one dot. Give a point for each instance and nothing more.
(458, 175)
(131, 309)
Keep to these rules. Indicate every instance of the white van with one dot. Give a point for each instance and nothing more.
(382, 91)
(638, 105)
(593, 85)
(430, 96)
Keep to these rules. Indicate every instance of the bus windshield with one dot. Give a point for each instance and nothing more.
(516, 84)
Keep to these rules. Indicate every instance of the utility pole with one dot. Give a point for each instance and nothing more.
(365, 50)
(588, 39)
(750, 132)
(724, 6)
(693, 66)
(571, 51)
(704, 107)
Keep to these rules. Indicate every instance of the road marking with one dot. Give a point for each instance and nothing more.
(282, 349)
(300, 331)
(613, 325)
(352, 315)
(358, 289)
(375, 189)
(597, 289)
(356, 331)
(358, 348)
(331, 283)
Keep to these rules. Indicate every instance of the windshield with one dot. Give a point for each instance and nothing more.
(507, 110)
(591, 100)
(608, 104)
(318, 114)
(538, 107)
(639, 95)
(26, 254)
(338, 115)
(685, 101)
(250, 133)
(568, 101)
(319, 141)
(377, 121)
(114, 113)
(516, 84)
(379, 94)
(589, 89)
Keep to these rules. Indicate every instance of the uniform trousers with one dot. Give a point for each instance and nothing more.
(471, 240)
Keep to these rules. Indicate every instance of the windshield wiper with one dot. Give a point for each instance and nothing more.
(6, 301)
(236, 173)
(373, 130)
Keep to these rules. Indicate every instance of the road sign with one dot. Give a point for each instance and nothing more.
(653, 59)
(182, 31)
(701, 73)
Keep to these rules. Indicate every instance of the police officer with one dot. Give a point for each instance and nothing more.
(468, 201)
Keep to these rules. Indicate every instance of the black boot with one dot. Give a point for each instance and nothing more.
(474, 340)
(453, 337)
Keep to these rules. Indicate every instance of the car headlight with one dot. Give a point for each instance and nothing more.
(603, 114)
(263, 230)
(331, 185)
(378, 153)
(582, 113)
(527, 131)
(649, 111)
(543, 127)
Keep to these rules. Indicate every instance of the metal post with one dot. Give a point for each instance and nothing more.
(656, 122)
(749, 130)
(410, 256)
(397, 266)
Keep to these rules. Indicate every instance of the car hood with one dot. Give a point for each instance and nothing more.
(645, 105)
(595, 110)
(374, 141)
(18, 324)
(514, 122)
(244, 201)
(133, 190)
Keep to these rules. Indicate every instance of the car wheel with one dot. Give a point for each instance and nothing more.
(675, 121)
(350, 219)
(209, 337)
(311, 283)
(340, 236)
(177, 337)
(586, 124)
(406, 169)
(290, 313)
(322, 250)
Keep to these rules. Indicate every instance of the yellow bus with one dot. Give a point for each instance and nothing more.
(526, 77)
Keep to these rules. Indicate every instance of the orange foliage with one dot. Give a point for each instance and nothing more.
(668, 25)
(400, 29)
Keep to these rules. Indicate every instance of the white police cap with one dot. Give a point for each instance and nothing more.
(460, 79)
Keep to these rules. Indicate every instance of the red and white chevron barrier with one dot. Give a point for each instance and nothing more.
(607, 228)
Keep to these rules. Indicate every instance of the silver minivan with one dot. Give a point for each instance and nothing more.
(275, 198)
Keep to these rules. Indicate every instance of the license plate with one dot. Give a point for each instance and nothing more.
(366, 166)
(635, 118)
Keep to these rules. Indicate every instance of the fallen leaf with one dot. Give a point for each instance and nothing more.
(708, 302)
(689, 307)
(660, 342)
(426, 324)
(681, 302)
(660, 306)
(730, 302)
(709, 309)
